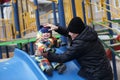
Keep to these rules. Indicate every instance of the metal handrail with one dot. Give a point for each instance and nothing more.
(105, 9)
(97, 23)
(110, 48)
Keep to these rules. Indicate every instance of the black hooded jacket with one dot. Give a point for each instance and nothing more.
(87, 49)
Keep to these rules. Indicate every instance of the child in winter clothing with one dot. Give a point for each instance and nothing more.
(47, 43)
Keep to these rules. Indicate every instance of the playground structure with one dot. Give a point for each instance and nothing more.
(26, 20)
(28, 69)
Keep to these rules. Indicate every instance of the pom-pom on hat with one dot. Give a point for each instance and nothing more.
(76, 25)
(45, 30)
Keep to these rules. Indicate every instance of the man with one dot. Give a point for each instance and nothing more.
(86, 48)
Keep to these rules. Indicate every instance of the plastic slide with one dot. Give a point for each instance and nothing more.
(23, 67)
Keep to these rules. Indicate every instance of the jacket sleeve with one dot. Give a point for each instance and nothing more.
(73, 52)
(62, 31)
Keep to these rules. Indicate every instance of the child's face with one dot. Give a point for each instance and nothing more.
(46, 35)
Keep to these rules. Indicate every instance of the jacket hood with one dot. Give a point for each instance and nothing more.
(88, 34)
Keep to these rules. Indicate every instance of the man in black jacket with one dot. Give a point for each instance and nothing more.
(86, 48)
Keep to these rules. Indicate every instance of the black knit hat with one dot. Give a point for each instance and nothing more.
(76, 25)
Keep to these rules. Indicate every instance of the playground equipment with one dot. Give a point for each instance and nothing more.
(102, 13)
(22, 67)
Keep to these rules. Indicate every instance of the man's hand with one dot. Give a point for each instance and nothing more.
(52, 27)
(44, 54)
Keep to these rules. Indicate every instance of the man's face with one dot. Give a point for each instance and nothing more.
(73, 35)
